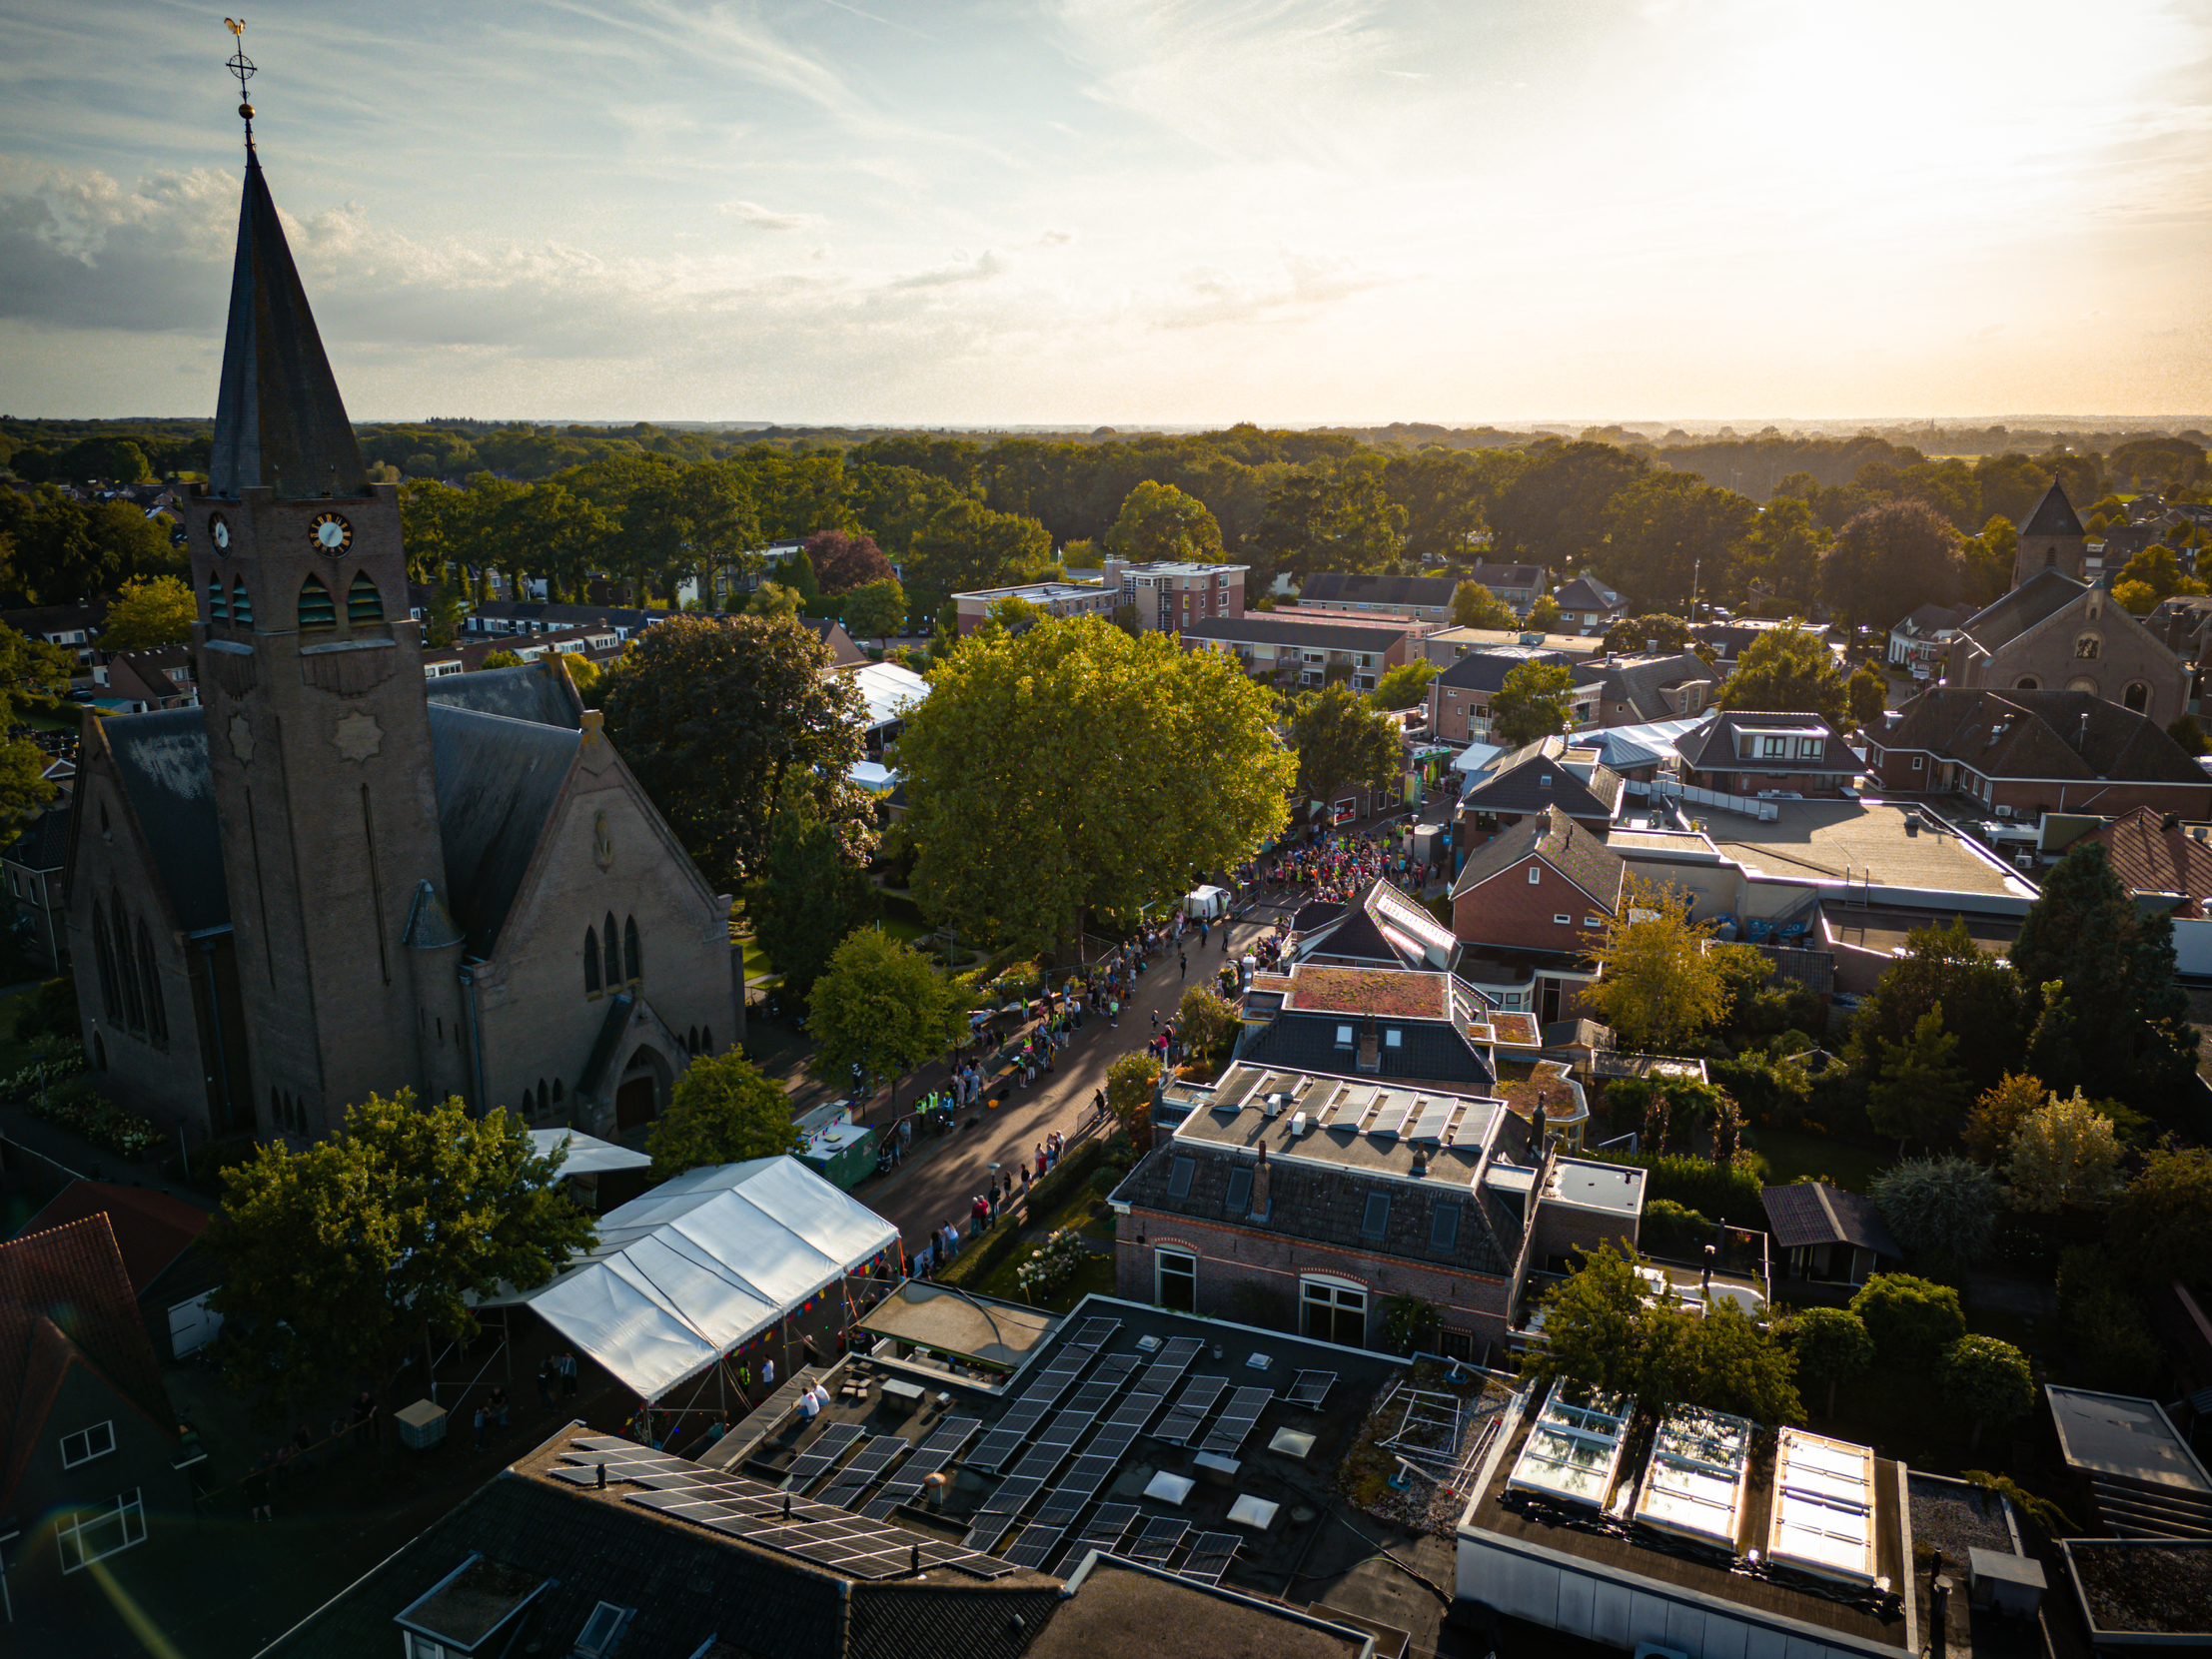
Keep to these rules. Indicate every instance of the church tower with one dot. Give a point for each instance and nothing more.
(318, 729)
(2051, 537)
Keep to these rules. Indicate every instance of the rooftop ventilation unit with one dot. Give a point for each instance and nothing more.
(1298, 1125)
(1272, 1105)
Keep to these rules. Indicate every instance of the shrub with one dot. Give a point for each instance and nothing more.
(1911, 1321)
(1729, 1193)
(1941, 1208)
(52, 1012)
(1672, 1230)
(1831, 1345)
(1206, 1024)
(2108, 1340)
(1052, 1264)
(1989, 1380)
(78, 1106)
(1765, 1087)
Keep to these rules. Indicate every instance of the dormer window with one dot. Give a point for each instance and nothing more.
(1394, 1038)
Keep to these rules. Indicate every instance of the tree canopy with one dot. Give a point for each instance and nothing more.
(809, 894)
(882, 1004)
(1942, 1208)
(1912, 1320)
(1404, 685)
(1831, 1345)
(1988, 1380)
(1943, 967)
(1889, 560)
(1159, 522)
(1789, 672)
(1475, 606)
(1342, 743)
(1532, 702)
(843, 563)
(1662, 982)
(2162, 1226)
(155, 611)
(2064, 1152)
(724, 1110)
(1922, 1086)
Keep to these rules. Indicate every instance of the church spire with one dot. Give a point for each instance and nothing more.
(279, 420)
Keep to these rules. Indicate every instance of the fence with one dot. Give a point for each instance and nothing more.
(1767, 812)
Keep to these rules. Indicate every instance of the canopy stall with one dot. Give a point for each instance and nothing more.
(702, 1263)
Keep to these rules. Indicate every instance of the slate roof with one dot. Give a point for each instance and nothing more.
(1583, 593)
(161, 759)
(1639, 680)
(1577, 853)
(64, 1299)
(2052, 515)
(1281, 628)
(1431, 1050)
(1515, 783)
(45, 844)
(689, 1585)
(1361, 934)
(548, 615)
(1712, 748)
(533, 691)
(2040, 734)
(1337, 588)
(2123, 542)
(2042, 596)
(151, 1228)
(2155, 853)
(1930, 619)
(279, 420)
(1486, 669)
(1812, 1212)
(497, 779)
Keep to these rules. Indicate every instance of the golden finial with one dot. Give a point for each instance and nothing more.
(243, 67)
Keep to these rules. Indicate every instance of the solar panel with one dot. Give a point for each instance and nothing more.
(1190, 1409)
(602, 1442)
(1435, 1116)
(1012, 1496)
(951, 1436)
(867, 1465)
(1211, 1553)
(815, 1461)
(1310, 1389)
(1034, 1547)
(1094, 1333)
(907, 1487)
(1169, 1364)
(1244, 1407)
(985, 1534)
(1157, 1541)
(1107, 1527)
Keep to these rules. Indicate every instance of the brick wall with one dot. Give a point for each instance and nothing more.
(1510, 910)
(1561, 1229)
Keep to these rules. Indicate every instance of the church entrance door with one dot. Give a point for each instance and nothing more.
(634, 1105)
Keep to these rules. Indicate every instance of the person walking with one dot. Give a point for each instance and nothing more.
(1182, 966)
(255, 1488)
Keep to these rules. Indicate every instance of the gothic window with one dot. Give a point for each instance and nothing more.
(706, 1039)
(2028, 682)
(632, 971)
(541, 1096)
(2087, 647)
(316, 607)
(556, 1090)
(2136, 696)
(591, 962)
(126, 971)
(156, 1013)
(363, 603)
(219, 605)
(613, 950)
(276, 1106)
(242, 604)
(111, 1002)
(691, 1041)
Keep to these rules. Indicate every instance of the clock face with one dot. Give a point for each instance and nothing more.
(221, 532)
(332, 533)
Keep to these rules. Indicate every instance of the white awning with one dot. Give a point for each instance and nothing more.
(587, 1155)
(704, 1263)
(1476, 756)
(889, 689)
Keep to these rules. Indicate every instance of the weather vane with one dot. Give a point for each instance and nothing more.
(243, 67)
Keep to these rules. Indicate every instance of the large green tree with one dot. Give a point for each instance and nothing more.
(156, 611)
(1889, 560)
(724, 1110)
(1159, 522)
(2162, 1226)
(1922, 1086)
(1943, 967)
(1558, 511)
(1072, 768)
(1988, 1381)
(1342, 743)
(728, 723)
(1532, 702)
(1942, 1210)
(1325, 519)
(1831, 1347)
(1776, 564)
(339, 1260)
(809, 894)
(882, 1004)
(1789, 672)
(1475, 606)
(1663, 982)
(966, 546)
(1669, 532)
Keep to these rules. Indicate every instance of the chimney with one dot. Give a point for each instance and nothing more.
(1259, 1184)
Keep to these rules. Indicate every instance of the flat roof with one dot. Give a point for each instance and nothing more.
(1617, 1189)
(1386, 992)
(2123, 1437)
(1363, 1126)
(991, 1333)
(1036, 591)
(1117, 1610)
(1181, 568)
(1867, 840)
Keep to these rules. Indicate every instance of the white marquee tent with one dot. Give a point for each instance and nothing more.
(687, 1271)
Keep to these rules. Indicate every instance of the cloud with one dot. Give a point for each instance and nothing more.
(1302, 286)
(1055, 239)
(766, 219)
(979, 270)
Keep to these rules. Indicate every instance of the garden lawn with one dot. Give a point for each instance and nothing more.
(1793, 1153)
(757, 965)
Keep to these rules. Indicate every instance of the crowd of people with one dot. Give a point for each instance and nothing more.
(1336, 869)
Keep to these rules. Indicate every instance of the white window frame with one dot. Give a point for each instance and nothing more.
(129, 1518)
(1594, 921)
(1336, 1296)
(86, 1435)
(1563, 920)
(1536, 875)
(1160, 1256)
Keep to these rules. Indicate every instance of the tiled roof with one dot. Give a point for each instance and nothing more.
(151, 1228)
(2154, 853)
(2042, 596)
(1486, 669)
(1339, 633)
(1336, 588)
(1930, 619)
(44, 845)
(1812, 1212)
(1427, 1052)
(1584, 594)
(1712, 748)
(1638, 681)
(1552, 835)
(1535, 776)
(64, 1295)
(2041, 734)
(2052, 515)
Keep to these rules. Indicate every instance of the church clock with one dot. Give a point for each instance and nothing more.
(332, 533)
(221, 532)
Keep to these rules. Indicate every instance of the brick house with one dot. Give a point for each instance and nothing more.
(1550, 773)
(1545, 884)
(1643, 687)
(1743, 752)
(1301, 1200)
(2156, 854)
(1589, 605)
(158, 676)
(1920, 641)
(2023, 753)
(2055, 632)
(1303, 650)
(1410, 1027)
(1459, 697)
(1168, 595)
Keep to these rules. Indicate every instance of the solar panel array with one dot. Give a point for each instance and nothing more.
(1211, 1553)
(1169, 1365)
(1237, 1418)
(1107, 1529)
(1097, 1465)
(1158, 1540)
(868, 1463)
(940, 1447)
(1042, 1394)
(816, 1460)
(1190, 1409)
(1310, 1389)
(759, 1514)
(1001, 1512)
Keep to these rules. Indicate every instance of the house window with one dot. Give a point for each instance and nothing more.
(1544, 780)
(1344, 1037)
(613, 950)
(1444, 1228)
(316, 609)
(1535, 874)
(1376, 1220)
(1332, 1310)
(1561, 920)
(87, 1443)
(1916, 760)
(1240, 1191)
(1809, 748)
(1175, 1279)
(1594, 921)
(1179, 1177)
(98, 1535)
(1774, 746)
(1394, 1038)
(2136, 696)
(603, 1630)
(363, 603)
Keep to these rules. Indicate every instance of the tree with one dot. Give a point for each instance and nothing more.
(882, 1004)
(1943, 1208)
(1475, 606)
(2064, 1152)
(1159, 522)
(797, 573)
(1833, 1346)
(2157, 568)
(1888, 562)
(1556, 512)
(1598, 1334)
(726, 722)
(499, 659)
(337, 1261)
(1989, 1380)
(773, 599)
(1999, 1112)
(843, 563)
(1543, 617)
(966, 546)
(1323, 519)
(1725, 1362)
(1869, 696)
(1073, 767)
(1204, 1022)
(159, 611)
(1660, 982)
(873, 611)
(2189, 736)
(1655, 632)
(1942, 967)
(808, 896)
(1666, 529)
(1921, 1085)
(1778, 558)
(1788, 671)
(1988, 560)
(1531, 704)
(1130, 1083)
(1342, 743)
(1404, 685)
(1912, 1320)
(724, 1110)
(2122, 1022)
(2162, 1226)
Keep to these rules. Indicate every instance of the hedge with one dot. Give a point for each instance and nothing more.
(1057, 1186)
(1731, 1194)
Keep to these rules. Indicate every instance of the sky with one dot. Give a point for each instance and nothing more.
(1115, 211)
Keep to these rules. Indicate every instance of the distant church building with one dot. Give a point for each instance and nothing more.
(2056, 632)
(333, 878)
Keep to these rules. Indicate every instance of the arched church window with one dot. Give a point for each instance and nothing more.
(2087, 647)
(316, 609)
(2028, 682)
(691, 1041)
(2082, 682)
(364, 603)
(556, 1090)
(591, 962)
(219, 603)
(276, 1107)
(156, 1013)
(126, 969)
(706, 1039)
(2136, 696)
(614, 948)
(103, 951)
(631, 968)
(242, 604)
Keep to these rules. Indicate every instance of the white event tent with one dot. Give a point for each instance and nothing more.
(686, 1272)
